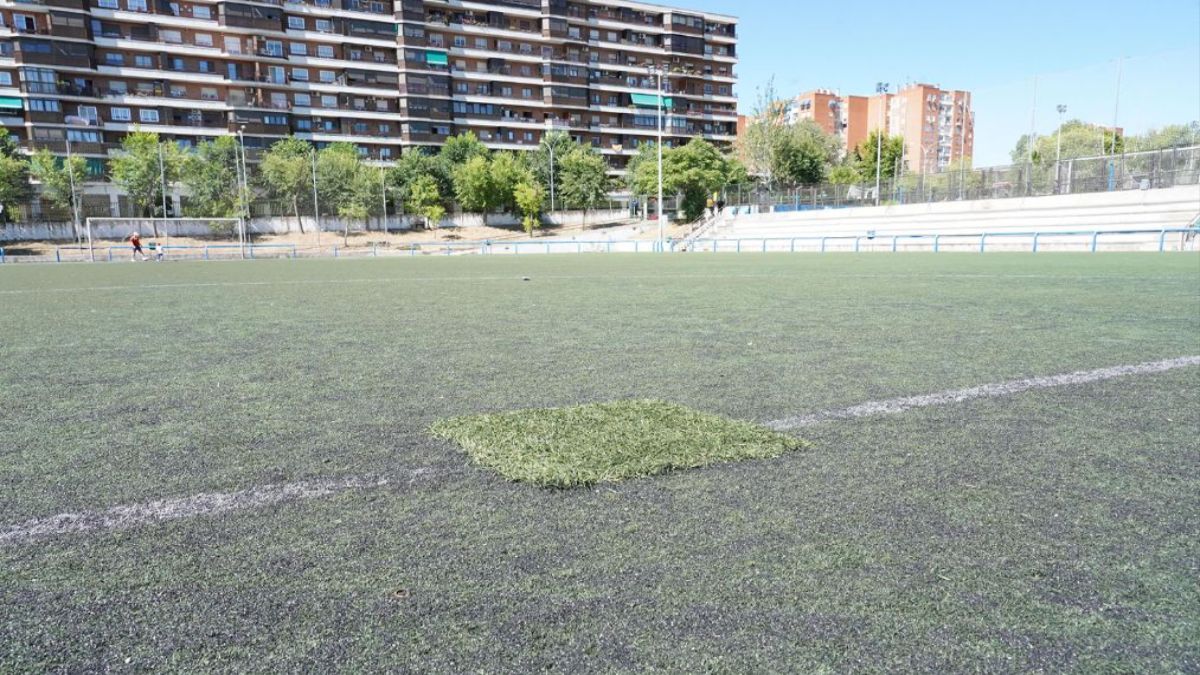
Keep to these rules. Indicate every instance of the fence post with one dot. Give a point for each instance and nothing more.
(205, 252)
(739, 245)
(792, 249)
(1095, 236)
(335, 252)
(547, 247)
(294, 254)
(251, 249)
(764, 245)
(1162, 241)
(982, 241)
(822, 244)
(937, 238)
(57, 255)
(856, 241)
(374, 251)
(579, 247)
(608, 246)
(1035, 241)
(109, 254)
(894, 243)
(1, 255)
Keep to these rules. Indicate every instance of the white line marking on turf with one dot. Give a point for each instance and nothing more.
(898, 405)
(124, 517)
(205, 504)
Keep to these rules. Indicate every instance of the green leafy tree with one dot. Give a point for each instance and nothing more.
(138, 172)
(583, 179)
(530, 198)
(693, 171)
(803, 153)
(210, 173)
(556, 144)
(286, 172)
(1078, 139)
(757, 145)
(423, 196)
(341, 184)
(458, 150)
(476, 188)
(508, 171)
(843, 174)
(56, 175)
(865, 154)
(414, 165)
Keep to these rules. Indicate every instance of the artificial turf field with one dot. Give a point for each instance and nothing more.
(1056, 529)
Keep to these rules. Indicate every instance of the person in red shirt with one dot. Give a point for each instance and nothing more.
(135, 239)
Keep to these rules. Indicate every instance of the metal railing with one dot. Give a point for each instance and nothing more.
(1080, 240)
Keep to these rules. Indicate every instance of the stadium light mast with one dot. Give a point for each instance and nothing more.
(550, 147)
(880, 88)
(383, 193)
(657, 71)
(1062, 110)
(162, 178)
(316, 204)
(245, 208)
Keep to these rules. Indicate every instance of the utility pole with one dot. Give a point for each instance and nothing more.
(316, 204)
(245, 208)
(75, 200)
(1062, 109)
(658, 72)
(162, 177)
(383, 192)
(1117, 103)
(550, 147)
(1032, 139)
(881, 89)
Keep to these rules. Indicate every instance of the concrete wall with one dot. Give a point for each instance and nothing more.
(121, 229)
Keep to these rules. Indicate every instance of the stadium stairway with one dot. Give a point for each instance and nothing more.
(963, 222)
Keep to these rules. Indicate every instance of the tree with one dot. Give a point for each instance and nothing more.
(530, 197)
(210, 173)
(556, 144)
(341, 184)
(460, 149)
(286, 173)
(865, 155)
(475, 187)
(414, 165)
(693, 171)
(425, 200)
(143, 168)
(583, 179)
(508, 171)
(803, 153)
(56, 176)
(843, 174)
(757, 145)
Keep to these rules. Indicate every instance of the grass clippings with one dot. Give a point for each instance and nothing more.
(607, 442)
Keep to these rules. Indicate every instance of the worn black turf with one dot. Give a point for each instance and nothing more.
(1051, 530)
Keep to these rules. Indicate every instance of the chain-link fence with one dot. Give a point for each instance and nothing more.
(1167, 167)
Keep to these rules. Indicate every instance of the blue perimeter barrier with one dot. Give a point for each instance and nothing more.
(747, 244)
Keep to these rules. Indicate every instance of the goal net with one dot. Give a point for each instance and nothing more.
(176, 238)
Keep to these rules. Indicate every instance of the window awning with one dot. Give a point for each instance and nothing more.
(437, 59)
(11, 103)
(650, 100)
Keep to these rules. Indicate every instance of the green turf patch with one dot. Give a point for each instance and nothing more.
(607, 442)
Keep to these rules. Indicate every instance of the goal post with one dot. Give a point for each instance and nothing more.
(167, 227)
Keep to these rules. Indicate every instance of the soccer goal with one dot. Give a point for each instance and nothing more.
(229, 232)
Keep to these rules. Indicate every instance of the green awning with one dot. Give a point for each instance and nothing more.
(437, 59)
(649, 100)
(10, 102)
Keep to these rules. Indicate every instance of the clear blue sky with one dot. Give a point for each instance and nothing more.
(993, 49)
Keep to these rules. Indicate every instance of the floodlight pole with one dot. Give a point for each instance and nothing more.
(162, 177)
(75, 200)
(383, 194)
(550, 147)
(658, 72)
(316, 204)
(245, 208)
(880, 88)
(1062, 109)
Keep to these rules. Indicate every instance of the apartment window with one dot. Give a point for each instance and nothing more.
(176, 64)
(208, 93)
(303, 100)
(328, 101)
(385, 153)
(24, 23)
(108, 4)
(303, 124)
(40, 105)
(5, 79)
(461, 88)
(136, 5)
(385, 129)
(481, 43)
(273, 48)
(504, 46)
(326, 76)
(296, 22)
(88, 112)
(506, 92)
(119, 114)
(275, 120)
(201, 12)
(79, 136)
(298, 49)
(276, 74)
(233, 45)
(460, 41)
(204, 66)
(325, 51)
(527, 93)
(114, 59)
(300, 74)
(436, 40)
(204, 40)
(178, 91)
(149, 115)
(360, 127)
(143, 61)
(324, 25)
(172, 36)
(118, 88)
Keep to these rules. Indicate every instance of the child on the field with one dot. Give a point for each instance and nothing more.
(160, 251)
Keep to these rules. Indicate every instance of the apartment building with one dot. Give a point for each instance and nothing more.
(937, 125)
(387, 76)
